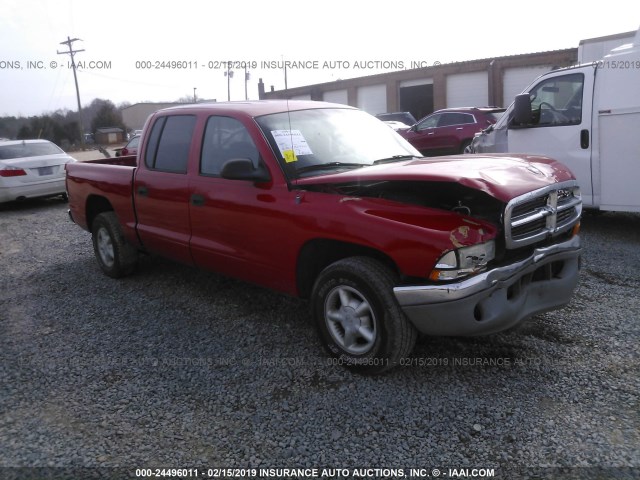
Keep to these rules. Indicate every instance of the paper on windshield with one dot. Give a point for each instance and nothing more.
(291, 143)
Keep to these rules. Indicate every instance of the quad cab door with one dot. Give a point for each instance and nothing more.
(161, 188)
(235, 225)
(561, 124)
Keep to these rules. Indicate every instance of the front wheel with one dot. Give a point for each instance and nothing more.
(116, 257)
(358, 318)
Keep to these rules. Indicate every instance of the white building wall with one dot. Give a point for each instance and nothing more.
(594, 49)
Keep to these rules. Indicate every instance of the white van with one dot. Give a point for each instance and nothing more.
(587, 117)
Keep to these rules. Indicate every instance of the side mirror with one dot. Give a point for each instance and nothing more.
(243, 169)
(522, 110)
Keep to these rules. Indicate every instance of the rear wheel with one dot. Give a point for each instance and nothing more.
(116, 257)
(359, 320)
(465, 147)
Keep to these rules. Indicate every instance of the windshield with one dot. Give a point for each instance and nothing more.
(134, 142)
(317, 141)
(22, 150)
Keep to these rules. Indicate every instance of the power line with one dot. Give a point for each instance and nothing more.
(72, 53)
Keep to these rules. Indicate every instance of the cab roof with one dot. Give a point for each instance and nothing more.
(255, 108)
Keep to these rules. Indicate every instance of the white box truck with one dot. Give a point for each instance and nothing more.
(587, 117)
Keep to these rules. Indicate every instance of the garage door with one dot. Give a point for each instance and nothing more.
(301, 97)
(373, 99)
(515, 80)
(468, 90)
(336, 96)
(414, 83)
(416, 96)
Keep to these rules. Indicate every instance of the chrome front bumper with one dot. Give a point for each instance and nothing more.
(497, 299)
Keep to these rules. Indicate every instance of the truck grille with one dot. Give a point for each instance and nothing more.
(541, 214)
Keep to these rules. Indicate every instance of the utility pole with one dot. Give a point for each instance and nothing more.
(285, 73)
(229, 74)
(71, 53)
(194, 95)
(247, 75)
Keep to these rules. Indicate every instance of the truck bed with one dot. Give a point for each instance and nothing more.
(110, 178)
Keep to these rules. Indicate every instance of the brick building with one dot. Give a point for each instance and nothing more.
(489, 81)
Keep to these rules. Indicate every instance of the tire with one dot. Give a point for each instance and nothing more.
(116, 257)
(358, 318)
(464, 145)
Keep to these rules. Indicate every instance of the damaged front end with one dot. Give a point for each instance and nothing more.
(488, 281)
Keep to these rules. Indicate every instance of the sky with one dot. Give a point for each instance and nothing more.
(146, 51)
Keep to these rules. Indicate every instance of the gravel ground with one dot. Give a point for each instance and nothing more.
(179, 368)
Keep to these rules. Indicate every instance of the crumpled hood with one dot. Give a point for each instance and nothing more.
(503, 176)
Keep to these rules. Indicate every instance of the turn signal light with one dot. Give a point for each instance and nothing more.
(576, 229)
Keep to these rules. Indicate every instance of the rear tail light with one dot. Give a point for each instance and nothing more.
(12, 172)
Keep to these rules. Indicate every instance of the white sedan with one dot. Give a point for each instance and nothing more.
(31, 168)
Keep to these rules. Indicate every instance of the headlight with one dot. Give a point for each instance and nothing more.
(463, 262)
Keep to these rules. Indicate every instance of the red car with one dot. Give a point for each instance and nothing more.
(450, 131)
(131, 148)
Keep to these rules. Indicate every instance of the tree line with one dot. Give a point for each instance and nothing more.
(62, 126)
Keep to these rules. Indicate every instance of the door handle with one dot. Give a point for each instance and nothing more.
(142, 191)
(459, 128)
(584, 139)
(197, 200)
(431, 133)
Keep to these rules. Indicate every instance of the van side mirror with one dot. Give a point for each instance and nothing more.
(522, 110)
(243, 169)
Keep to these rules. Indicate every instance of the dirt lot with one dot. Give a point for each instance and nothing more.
(94, 153)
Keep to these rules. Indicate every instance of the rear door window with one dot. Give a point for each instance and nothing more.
(169, 143)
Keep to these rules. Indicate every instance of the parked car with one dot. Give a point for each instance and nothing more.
(450, 130)
(324, 202)
(131, 148)
(405, 117)
(30, 169)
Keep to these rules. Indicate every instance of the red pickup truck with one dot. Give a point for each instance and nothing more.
(325, 202)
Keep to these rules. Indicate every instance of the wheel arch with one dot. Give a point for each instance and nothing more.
(319, 253)
(96, 204)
